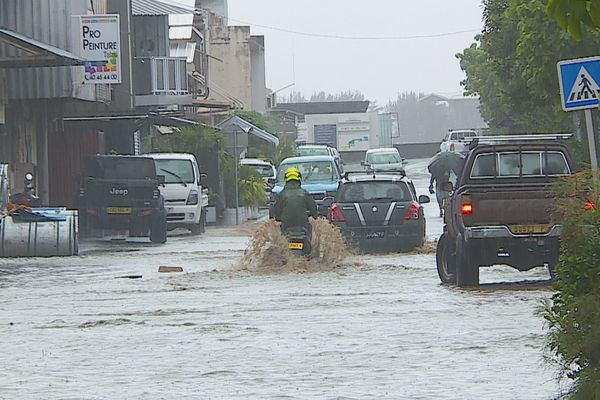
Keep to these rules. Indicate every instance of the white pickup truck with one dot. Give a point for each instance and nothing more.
(458, 140)
(185, 198)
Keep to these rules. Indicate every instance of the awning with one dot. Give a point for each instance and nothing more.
(37, 54)
(236, 123)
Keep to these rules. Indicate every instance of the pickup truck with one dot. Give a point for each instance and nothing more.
(500, 210)
(458, 140)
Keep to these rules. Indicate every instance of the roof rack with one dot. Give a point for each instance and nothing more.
(518, 138)
(400, 172)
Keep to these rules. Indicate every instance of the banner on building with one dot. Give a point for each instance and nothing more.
(100, 44)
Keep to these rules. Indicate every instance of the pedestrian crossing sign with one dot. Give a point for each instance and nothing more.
(579, 80)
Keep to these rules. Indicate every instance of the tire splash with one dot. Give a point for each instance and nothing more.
(268, 251)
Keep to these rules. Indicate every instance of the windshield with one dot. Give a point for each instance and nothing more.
(312, 171)
(120, 168)
(383, 158)
(175, 171)
(313, 151)
(373, 191)
(265, 171)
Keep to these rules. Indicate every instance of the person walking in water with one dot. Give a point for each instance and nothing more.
(440, 179)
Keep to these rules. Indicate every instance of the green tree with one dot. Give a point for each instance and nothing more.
(573, 14)
(512, 67)
(574, 314)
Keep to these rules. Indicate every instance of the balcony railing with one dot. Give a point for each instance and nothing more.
(165, 78)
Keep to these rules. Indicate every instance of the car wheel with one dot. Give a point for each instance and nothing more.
(445, 258)
(158, 230)
(467, 270)
(200, 227)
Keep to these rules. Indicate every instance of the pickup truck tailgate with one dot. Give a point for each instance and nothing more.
(506, 206)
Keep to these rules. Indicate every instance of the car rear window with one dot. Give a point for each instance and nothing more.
(383, 158)
(373, 191)
(518, 164)
(313, 151)
(121, 168)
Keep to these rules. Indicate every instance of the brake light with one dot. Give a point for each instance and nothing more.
(192, 198)
(466, 209)
(451, 146)
(155, 194)
(413, 212)
(590, 206)
(335, 214)
(81, 192)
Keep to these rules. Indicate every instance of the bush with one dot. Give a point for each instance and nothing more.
(574, 315)
(251, 185)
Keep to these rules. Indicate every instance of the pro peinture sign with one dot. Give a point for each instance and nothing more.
(99, 44)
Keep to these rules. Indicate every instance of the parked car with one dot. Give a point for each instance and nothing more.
(122, 193)
(499, 212)
(319, 150)
(265, 169)
(383, 159)
(379, 212)
(185, 198)
(458, 140)
(320, 177)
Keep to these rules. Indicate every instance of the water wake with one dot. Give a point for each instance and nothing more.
(268, 250)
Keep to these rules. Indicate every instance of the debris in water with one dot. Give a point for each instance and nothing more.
(268, 250)
(170, 269)
(129, 277)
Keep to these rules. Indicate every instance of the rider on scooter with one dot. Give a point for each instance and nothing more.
(294, 204)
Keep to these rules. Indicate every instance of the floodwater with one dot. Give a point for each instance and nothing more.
(108, 325)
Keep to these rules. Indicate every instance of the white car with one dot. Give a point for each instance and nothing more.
(383, 159)
(185, 199)
(265, 169)
(319, 150)
(458, 140)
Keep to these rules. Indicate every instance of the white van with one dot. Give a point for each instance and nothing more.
(185, 199)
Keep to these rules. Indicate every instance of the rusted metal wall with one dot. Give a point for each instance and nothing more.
(49, 21)
(67, 151)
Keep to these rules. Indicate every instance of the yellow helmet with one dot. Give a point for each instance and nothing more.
(292, 174)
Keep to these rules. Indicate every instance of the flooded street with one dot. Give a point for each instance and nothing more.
(108, 325)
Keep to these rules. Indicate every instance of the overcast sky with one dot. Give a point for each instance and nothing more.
(378, 68)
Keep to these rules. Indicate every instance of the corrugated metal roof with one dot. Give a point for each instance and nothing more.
(154, 7)
(41, 54)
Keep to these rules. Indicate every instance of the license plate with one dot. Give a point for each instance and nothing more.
(296, 246)
(375, 235)
(118, 210)
(530, 229)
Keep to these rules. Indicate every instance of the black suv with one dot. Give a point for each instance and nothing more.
(121, 193)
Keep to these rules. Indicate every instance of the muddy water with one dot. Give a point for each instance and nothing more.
(372, 327)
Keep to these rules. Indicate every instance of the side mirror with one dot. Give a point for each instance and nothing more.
(161, 179)
(327, 202)
(272, 181)
(404, 162)
(364, 164)
(423, 199)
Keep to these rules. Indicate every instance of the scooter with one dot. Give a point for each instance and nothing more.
(298, 240)
(27, 197)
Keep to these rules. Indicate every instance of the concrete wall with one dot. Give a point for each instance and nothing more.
(218, 7)
(230, 69)
(258, 78)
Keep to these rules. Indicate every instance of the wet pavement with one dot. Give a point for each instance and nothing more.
(108, 325)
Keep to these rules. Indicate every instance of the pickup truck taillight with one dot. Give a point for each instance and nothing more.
(155, 194)
(81, 192)
(336, 214)
(413, 212)
(192, 198)
(466, 209)
(590, 206)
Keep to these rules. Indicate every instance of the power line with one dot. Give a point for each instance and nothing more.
(332, 36)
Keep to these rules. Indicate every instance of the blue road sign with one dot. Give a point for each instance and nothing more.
(579, 83)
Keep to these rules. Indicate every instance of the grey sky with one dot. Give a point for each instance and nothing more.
(378, 68)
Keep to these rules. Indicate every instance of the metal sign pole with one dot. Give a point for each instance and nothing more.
(237, 196)
(589, 123)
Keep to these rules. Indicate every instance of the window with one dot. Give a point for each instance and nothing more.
(514, 164)
(313, 151)
(175, 171)
(120, 168)
(312, 171)
(374, 191)
(383, 158)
